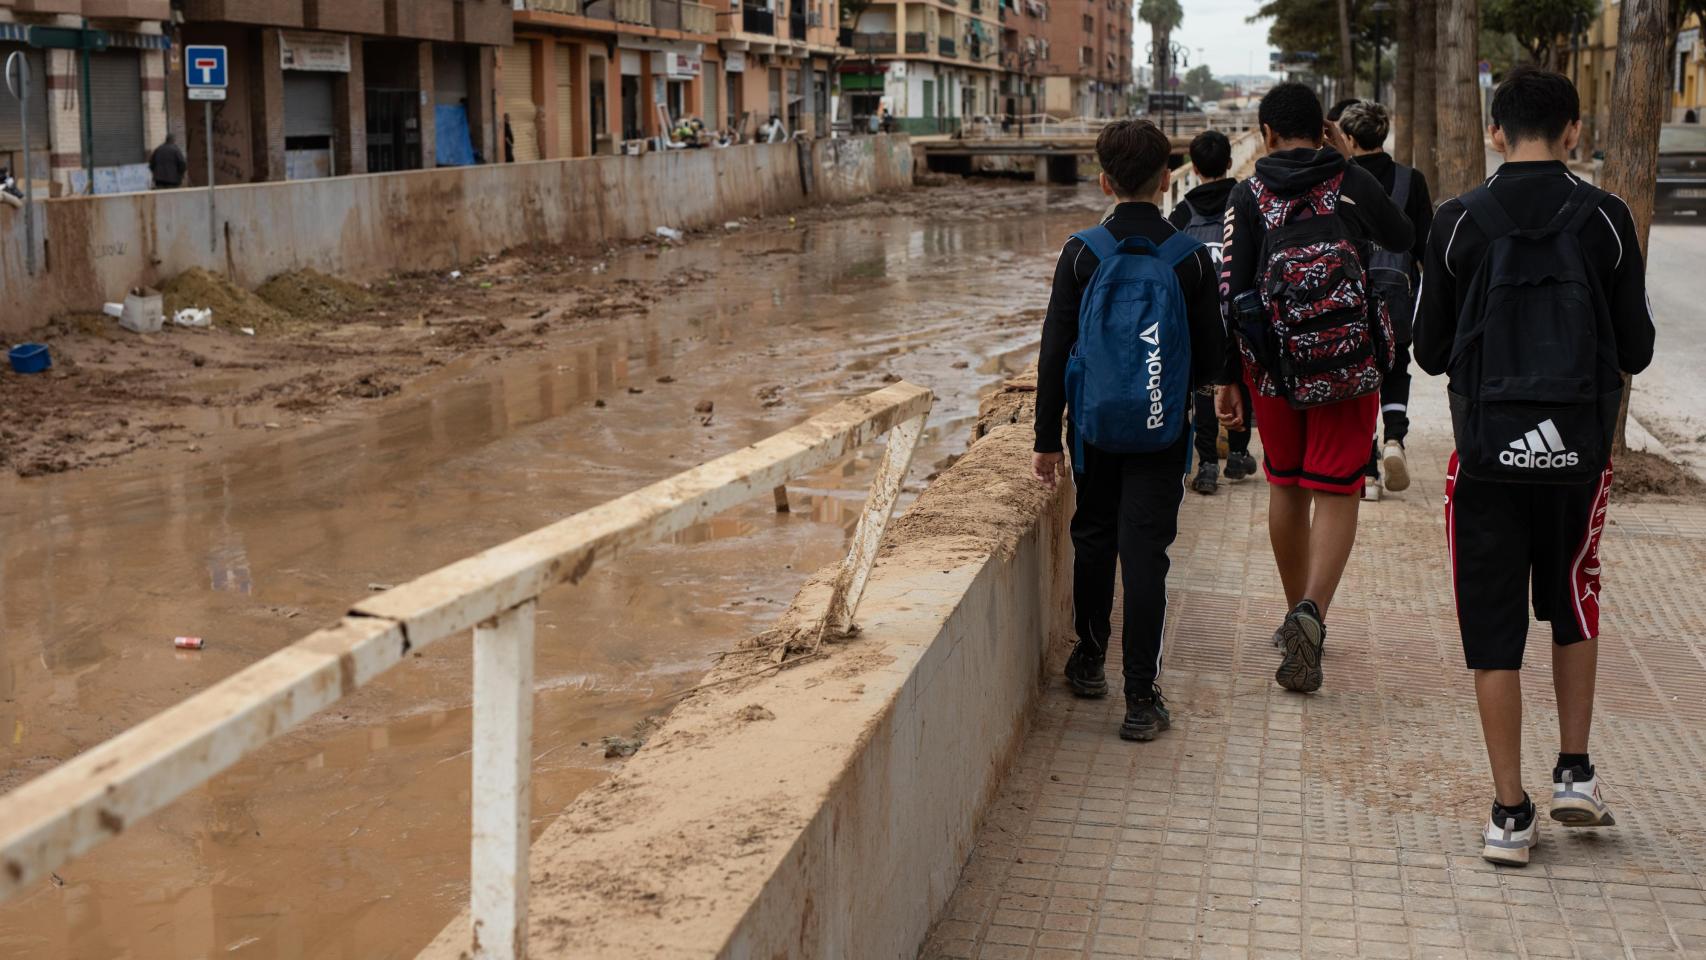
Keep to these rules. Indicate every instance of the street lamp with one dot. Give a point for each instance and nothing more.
(1379, 10)
(1174, 54)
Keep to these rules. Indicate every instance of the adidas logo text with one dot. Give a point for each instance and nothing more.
(1540, 449)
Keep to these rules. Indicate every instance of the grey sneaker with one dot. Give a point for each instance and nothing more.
(1301, 637)
(1207, 480)
(1576, 801)
(1145, 716)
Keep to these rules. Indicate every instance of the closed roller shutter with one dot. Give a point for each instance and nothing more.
(712, 84)
(308, 104)
(11, 131)
(565, 103)
(518, 101)
(115, 101)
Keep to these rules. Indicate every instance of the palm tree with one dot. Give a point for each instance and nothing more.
(1163, 17)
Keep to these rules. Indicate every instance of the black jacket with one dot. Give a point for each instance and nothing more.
(1531, 193)
(1419, 206)
(1368, 213)
(1060, 326)
(1208, 199)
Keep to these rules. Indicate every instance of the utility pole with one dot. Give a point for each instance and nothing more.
(1639, 88)
(1462, 159)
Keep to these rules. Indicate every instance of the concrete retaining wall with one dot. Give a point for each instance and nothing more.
(96, 248)
(827, 811)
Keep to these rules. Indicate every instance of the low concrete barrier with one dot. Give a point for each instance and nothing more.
(92, 249)
(827, 810)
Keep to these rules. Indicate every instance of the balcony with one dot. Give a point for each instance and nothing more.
(666, 14)
(873, 43)
(698, 18)
(976, 6)
(568, 7)
(634, 11)
(917, 43)
(797, 27)
(945, 45)
(758, 20)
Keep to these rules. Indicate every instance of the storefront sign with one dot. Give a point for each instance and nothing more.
(676, 65)
(1688, 39)
(315, 51)
(734, 61)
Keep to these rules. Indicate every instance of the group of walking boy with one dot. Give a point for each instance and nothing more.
(1290, 303)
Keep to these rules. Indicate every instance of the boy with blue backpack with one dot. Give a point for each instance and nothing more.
(1133, 326)
(1534, 302)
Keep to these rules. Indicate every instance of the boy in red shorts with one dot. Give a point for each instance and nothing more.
(1297, 234)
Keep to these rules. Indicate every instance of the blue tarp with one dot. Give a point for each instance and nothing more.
(455, 145)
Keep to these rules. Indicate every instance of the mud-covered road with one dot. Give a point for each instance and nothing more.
(287, 490)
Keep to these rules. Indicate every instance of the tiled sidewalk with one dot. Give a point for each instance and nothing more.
(1345, 824)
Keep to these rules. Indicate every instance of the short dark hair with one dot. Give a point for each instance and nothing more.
(1133, 153)
(1339, 108)
(1534, 103)
(1211, 154)
(1292, 111)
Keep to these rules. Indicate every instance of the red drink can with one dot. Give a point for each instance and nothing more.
(188, 643)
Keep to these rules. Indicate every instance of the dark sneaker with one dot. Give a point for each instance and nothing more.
(1240, 465)
(1145, 716)
(1208, 479)
(1084, 673)
(1301, 637)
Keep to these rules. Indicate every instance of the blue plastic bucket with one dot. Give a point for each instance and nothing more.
(30, 358)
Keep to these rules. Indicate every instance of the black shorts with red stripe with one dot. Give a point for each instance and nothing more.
(1510, 541)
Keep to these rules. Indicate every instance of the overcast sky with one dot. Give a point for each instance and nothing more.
(1217, 27)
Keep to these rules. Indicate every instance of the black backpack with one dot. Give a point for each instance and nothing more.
(1207, 229)
(1392, 273)
(1534, 380)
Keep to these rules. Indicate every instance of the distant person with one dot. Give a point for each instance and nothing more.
(1689, 116)
(1202, 216)
(1394, 276)
(888, 120)
(1297, 235)
(509, 141)
(1129, 437)
(1533, 257)
(167, 164)
(772, 131)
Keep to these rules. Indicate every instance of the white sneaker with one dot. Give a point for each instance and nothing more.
(1504, 844)
(1578, 803)
(1370, 490)
(1396, 469)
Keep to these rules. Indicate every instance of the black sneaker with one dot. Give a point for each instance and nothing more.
(1301, 637)
(1208, 479)
(1145, 716)
(1240, 465)
(1084, 673)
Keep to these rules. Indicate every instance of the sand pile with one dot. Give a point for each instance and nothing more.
(232, 306)
(312, 295)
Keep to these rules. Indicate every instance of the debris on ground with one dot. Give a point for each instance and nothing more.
(1638, 474)
(704, 406)
(314, 296)
(621, 746)
(669, 233)
(193, 317)
(770, 395)
(232, 305)
(754, 711)
(188, 643)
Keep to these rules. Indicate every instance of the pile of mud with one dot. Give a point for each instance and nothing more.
(312, 295)
(233, 307)
(1639, 475)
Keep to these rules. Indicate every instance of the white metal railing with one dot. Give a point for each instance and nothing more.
(108, 789)
(1047, 125)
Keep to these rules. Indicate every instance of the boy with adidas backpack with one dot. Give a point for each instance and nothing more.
(1133, 326)
(1312, 350)
(1534, 301)
(1202, 217)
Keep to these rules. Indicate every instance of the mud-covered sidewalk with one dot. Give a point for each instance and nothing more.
(1346, 824)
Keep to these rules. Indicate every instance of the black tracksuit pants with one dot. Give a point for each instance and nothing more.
(1128, 510)
(1207, 427)
(1394, 405)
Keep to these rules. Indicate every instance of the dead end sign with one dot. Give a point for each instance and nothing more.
(205, 72)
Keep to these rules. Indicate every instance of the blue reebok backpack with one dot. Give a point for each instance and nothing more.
(1128, 381)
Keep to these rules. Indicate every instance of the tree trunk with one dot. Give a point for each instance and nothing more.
(1640, 91)
(1425, 90)
(1403, 85)
(1347, 59)
(1461, 156)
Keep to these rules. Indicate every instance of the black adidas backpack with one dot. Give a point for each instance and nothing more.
(1534, 380)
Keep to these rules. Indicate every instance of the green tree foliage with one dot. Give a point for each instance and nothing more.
(1542, 27)
(1200, 83)
(1312, 26)
(1163, 17)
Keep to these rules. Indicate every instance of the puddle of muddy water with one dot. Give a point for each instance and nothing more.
(348, 838)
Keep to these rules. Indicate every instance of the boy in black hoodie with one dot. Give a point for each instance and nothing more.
(1203, 215)
(1315, 457)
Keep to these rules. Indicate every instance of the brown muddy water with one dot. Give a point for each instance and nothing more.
(348, 838)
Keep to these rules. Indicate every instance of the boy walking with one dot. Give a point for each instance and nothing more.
(1534, 301)
(1202, 216)
(1133, 325)
(1394, 276)
(1311, 352)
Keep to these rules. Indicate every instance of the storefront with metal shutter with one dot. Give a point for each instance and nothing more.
(11, 126)
(115, 107)
(310, 124)
(522, 112)
(565, 101)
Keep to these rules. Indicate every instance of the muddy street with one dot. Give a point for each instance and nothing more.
(348, 838)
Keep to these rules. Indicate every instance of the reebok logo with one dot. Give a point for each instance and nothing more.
(1152, 336)
(1157, 410)
(1540, 449)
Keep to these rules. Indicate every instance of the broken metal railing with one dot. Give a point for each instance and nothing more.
(98, 794)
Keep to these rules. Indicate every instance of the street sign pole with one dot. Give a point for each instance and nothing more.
(205, 69)
(22, 92)
(212, 197)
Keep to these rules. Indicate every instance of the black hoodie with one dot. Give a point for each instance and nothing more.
(1208, 199)
(1369, 214)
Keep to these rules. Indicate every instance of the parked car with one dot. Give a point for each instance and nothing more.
(1682, 169)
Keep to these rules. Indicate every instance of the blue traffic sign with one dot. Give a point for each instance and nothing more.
(205, 67)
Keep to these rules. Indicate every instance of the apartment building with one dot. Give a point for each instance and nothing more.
(97, 100)
(1088, 69)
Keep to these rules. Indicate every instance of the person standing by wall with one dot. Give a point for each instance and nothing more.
(167, 164)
